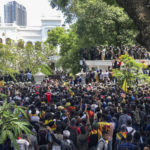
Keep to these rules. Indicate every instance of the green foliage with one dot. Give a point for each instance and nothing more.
(11, 125)
(15, 57)
(130, 71)
(7, 61)
(38, 45)
(44, 68)
(34, 57)
(20, 44)
(55, 40)
(110, 2)
(99, 22)
(69, 48)
(70, 61)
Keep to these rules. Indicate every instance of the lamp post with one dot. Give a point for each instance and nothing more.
(39, 76)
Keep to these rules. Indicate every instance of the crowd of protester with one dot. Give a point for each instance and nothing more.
(110, 52)
(67, 114)
(26, 76)
(20, 77)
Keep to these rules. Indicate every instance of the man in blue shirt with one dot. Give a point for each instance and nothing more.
(29, 76)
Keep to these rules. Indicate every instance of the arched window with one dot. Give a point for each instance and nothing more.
(29, 45)
(48, 31)
(38, 45)
(29, 42)
(8, 41)
(1, 41)
(20, 44)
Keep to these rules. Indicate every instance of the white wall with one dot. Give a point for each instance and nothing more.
(32, 33)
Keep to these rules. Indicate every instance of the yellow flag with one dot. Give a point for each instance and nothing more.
(124, 87)
(2, 83)
(65, 84)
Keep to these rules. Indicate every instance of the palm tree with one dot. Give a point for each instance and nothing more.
(13, 120)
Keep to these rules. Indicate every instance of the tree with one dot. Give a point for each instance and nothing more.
(38, 45)
(69, 48)
(8, 61)
(20, 44)
(31, 58)
(101, 24)
(98, 22)
(138, 10)
(20, 57)
(130, 72)
(11, 124)
(55, 40)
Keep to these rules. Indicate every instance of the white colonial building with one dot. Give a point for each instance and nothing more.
(30, 34)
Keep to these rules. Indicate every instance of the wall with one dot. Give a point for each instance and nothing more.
(29, 33)
(103, 64)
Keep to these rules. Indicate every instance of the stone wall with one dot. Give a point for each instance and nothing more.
(104, 64)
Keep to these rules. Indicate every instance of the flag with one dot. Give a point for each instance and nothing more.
(2, 83)
(69, 89)
(124, 86)
(121, 135)
(65, 84)
(71, 92)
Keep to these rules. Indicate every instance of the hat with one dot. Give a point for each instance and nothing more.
(66, 133)
(60, 107)
(109, 97)
(68, 104)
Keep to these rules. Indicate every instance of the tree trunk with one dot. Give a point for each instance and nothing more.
(139, 11)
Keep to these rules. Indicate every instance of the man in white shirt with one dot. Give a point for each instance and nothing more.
(23, 144)
(103, 53)
(106, 74)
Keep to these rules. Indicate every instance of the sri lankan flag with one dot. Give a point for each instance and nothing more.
(50, 123)
(124, 86)
(121, 135)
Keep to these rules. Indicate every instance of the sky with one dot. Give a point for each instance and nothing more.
(36, 9)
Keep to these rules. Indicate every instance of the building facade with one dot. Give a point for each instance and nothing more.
(15, 13)
(30, 34)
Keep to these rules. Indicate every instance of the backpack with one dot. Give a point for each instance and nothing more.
(73, 135)
(42, 137)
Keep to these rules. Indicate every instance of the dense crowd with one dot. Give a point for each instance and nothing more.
(69, 115)
(110, 52)
(20, 77)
